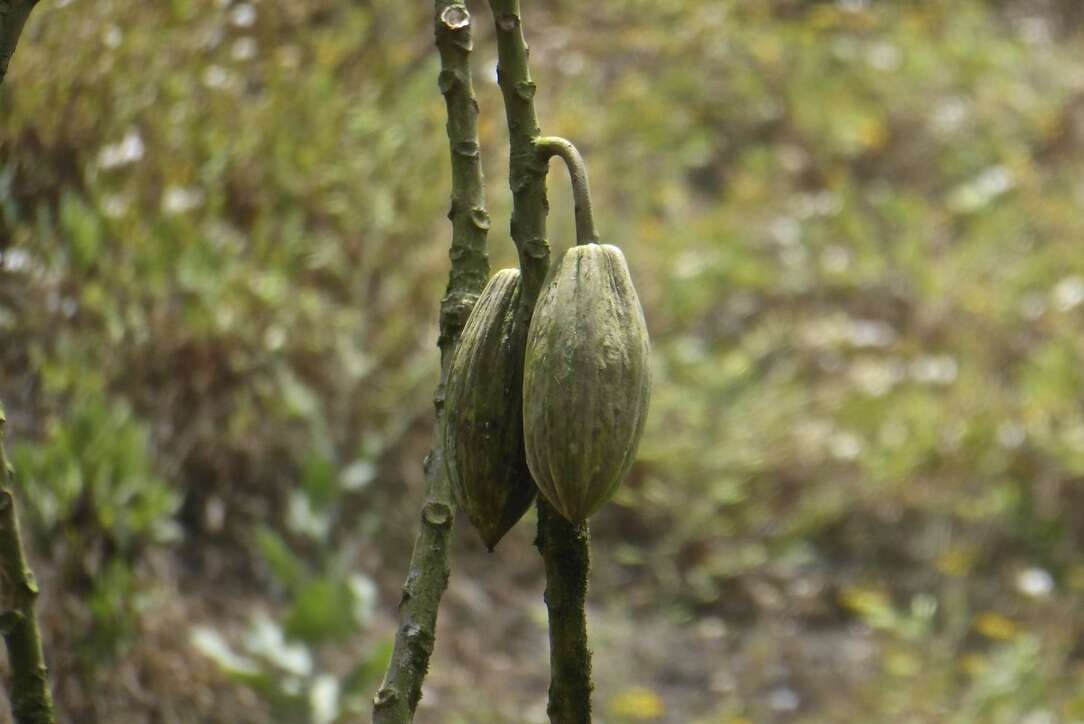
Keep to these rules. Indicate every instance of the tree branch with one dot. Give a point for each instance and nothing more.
(427, 577)
(526, 170)
(31, 702)
(13, 15)
(564, 547)
(550, 146)
(567, 553)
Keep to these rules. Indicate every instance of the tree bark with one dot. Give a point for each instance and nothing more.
(427, 578)
(526, 170)
(566, 551)
(31, 701)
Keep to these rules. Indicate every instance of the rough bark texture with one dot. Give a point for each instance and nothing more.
(427, 578)
(13, 15)
(31, 701)
(563, 546)
(566, 550)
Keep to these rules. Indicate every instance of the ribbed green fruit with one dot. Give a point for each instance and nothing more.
(483, 434)
(587, 379)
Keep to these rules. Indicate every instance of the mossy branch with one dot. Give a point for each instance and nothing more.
(427, 578)
(13, 15)
(31, 701)
(564, 547)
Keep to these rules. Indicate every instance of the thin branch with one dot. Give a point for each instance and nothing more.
(526, 171)
(13, 15)
(427, 577)
(564, 547)
(566, 550)
(550, 146)
(31, 702)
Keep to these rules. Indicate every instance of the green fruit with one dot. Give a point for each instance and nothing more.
(587, 379)
(483, 433)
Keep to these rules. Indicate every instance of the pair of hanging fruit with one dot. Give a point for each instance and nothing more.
(559, 406)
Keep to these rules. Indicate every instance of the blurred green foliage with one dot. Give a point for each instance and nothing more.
(855, 228)
(95, 504)
(326, 604)
(94, 466)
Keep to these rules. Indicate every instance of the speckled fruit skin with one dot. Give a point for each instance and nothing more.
(587, 379)
(483, 434)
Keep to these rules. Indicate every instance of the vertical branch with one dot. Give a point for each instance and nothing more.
(526, 171)
(13, 15)
(566, 551)
(564, 547)
(427, 577)
(31, 702)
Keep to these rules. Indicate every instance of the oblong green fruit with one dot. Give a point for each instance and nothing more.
(483, 433)
(587, 379)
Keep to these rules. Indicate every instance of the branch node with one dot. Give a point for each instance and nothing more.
(456, 307)
(437, 514)
(385, 697)
(448, 79)
(9, 620)
(525, 89)
(537, 248)
(508, 22)
(479, 218)
(455, 17)
(467, 149)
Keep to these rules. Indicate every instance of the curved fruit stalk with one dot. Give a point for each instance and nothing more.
(483, 435)
(587, 380)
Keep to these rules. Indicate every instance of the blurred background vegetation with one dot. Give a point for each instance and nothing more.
(856, 230)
